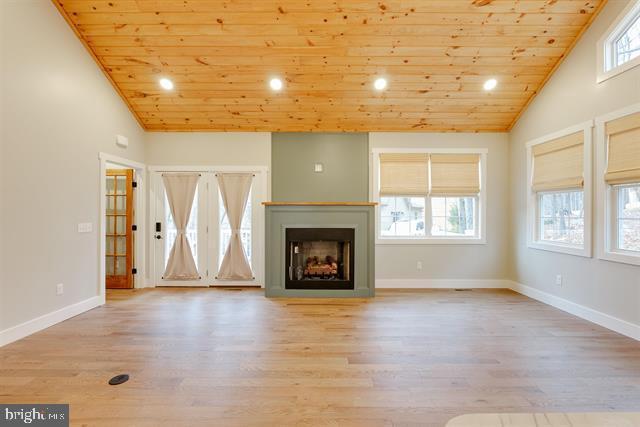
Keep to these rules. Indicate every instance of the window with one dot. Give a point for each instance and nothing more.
(429, 196)
(618, 153)
(402, 216)
(559, 191)
(225, 230)
(619, 49)
(453, 216)
(628, 217)
(561, 216)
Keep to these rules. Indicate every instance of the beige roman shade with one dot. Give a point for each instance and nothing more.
(404, 174)
(559, 163)
(623, 150)
(455, 174)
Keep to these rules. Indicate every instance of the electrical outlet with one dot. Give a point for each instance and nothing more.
(59, 289)
(559, 279)
(419, 265)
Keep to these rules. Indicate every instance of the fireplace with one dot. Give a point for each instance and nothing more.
(319, 258)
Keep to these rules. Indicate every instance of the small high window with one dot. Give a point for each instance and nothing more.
(619, 49)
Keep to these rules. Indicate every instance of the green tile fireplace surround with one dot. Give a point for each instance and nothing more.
(358, 216)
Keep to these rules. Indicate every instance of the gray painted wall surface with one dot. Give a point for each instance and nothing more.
(58, 113)
(344, 157)
(570, 97)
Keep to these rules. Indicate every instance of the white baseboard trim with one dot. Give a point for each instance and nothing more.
(442, 284)
(29, 327)
(605, 320)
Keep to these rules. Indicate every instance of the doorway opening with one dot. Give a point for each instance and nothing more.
(122, 214)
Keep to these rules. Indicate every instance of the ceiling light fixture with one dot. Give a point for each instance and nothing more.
(276, 84)
(166, 83)
(380, 83)
(490, 84)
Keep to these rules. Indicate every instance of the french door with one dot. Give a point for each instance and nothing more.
(208, 230)
(165, 233)
(119, 238)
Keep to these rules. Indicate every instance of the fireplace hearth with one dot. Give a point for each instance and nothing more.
(319, 258)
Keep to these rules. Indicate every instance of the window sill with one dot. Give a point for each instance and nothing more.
(431, 241)
(606, 75)
(560, 248)
(621, 257)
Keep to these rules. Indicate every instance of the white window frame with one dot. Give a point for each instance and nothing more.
(607, 208)
(533, 235)
(427, 239)
(605, 46)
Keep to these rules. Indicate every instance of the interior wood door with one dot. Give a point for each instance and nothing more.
(119, 239)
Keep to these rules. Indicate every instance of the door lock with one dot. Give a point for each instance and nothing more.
(158, 236)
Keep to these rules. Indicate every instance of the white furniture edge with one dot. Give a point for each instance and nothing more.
(374, 166)
(532, 242)
(604, 193)
(32, 326)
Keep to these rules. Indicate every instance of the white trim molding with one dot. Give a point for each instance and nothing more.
(615, 324)
(481, 208)
(29, 327)
(605, 193)
(443, 284)
(605, 54)
(532, 197)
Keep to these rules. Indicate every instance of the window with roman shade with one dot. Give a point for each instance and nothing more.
(623, 150)
(559, 164)
(404, 174)
(455, 174)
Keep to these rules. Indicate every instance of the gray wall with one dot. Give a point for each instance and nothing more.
(346, 168)
(58, 113)
(487, 261)
(572, 96)
(208, 149)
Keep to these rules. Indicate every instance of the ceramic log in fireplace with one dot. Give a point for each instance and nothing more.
(319, 258)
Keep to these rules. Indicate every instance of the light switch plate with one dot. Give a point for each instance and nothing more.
(85, 227)
(318, 167)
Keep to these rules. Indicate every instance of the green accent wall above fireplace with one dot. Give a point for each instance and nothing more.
(344, 157)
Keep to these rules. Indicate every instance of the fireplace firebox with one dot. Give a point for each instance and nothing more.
(319, 258)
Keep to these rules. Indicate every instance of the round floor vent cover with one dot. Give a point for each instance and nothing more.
(119, 379)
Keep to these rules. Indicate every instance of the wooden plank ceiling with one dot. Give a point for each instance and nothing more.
(436, 55)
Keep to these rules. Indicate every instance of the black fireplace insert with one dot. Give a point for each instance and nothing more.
(319, 258)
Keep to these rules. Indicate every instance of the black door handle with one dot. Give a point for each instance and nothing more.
(158, 237)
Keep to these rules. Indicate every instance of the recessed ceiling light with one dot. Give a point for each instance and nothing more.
(380, 83)
(490, 84)
(275, 83)
(166, 83)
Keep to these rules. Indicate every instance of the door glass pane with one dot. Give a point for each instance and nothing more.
(121, 265)
(109, 266)
(110, 222)
(121, 204)
(225, 230)
(111, 204)
(172, 232)
(110, 185)
(121, 245)
(121, 223)
(121, 185)
(109, 245)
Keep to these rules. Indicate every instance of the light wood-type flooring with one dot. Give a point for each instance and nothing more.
(216, 357)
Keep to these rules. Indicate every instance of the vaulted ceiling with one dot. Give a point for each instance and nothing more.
(435, 54)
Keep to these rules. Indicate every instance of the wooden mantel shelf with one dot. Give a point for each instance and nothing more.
(319, 203)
